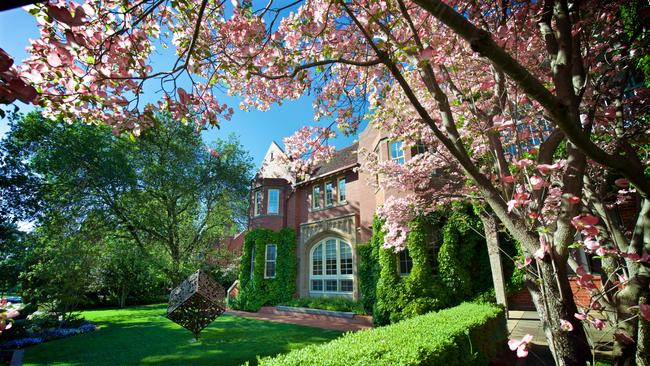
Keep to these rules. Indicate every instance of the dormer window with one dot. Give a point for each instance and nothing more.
(419, 148)
(396, 152)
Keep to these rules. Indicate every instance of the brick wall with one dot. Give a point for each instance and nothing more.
(521, 300)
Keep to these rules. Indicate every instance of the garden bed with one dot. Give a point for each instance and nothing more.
(337, 314)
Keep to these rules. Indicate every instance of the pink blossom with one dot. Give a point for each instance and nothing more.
(537, 182)
(543, 249)
(644, 310)
(523, 163)
(566, 325)
(573, 200)
(597, 323)
(521, 346)
(582, 221)
(580, 316)
(507, 179)
(622, 182)
(546, 169)
(520, 200)
(623, 337)
(527, 261)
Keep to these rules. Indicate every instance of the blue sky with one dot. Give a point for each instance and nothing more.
(255, 129)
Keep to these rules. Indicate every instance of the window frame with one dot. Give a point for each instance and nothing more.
(329, 196)
(315, 203)
(400, 159)
(268, 201)
(408, 260)
(338, 191)
(257, 204)
(338, 277)
(274, 260)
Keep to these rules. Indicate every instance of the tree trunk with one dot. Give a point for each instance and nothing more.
(553, 300)
(491, 230)
(643, 337)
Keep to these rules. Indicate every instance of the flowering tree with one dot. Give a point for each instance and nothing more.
(533, 102)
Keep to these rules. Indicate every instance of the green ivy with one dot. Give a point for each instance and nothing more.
(368, 255)
(450, 265)
(255, 290)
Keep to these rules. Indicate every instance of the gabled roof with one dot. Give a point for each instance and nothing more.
(344, 158)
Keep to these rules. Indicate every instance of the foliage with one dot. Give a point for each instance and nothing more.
(255, 290)
(450, 265)
(369, 269)
(142, 334)
(14, 250)
(166, 192)
(469, 334)
(328, 303)
(62, 264)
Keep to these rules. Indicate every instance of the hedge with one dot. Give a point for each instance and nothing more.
(468, 334)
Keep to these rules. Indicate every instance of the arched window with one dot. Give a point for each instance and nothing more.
(331, 268)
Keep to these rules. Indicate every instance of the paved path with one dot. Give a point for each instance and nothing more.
(318, 321)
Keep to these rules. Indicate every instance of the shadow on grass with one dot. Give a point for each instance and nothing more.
(147, 337)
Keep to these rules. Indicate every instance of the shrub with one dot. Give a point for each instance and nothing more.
(328, 303)
(469, 334)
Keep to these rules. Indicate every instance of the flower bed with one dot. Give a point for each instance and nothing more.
(47, 335)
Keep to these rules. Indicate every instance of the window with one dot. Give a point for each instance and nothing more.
(315, 197)
(329, 194)
(258, 203)
(274, 202)
(331, 267)
(269, 261)
(396, 152)
(405, 263)
(419, 148)
(341, 191)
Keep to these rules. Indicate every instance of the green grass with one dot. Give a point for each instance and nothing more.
(143, 336)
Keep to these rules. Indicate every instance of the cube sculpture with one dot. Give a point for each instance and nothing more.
(196, 302)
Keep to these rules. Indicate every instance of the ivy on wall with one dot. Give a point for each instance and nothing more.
(255, 290)
(450, 265)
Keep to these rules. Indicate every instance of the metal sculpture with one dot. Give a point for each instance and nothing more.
(196, 302)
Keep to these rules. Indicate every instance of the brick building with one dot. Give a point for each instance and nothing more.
(331, 212)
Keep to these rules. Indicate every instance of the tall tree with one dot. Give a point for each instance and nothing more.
(165, 190)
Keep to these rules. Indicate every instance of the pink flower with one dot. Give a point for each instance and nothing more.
(582, 221)
(520, 345)
(566, 325)
(507, 178)
(523, 163)
(592, 244)
(543, 249)
(644, 310)
(574, 200)
(623, 337)
(537, 182)
(521, 199)
(527, 261)
(546, 169)
(597, 323)
(580, 316)
(622, 182)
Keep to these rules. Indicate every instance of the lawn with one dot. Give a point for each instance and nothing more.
(143, 336)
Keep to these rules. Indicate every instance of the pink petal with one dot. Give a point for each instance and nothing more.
(522, 351)
(644, 309)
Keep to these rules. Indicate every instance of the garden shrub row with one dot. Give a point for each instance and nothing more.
(468, 334)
